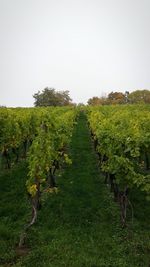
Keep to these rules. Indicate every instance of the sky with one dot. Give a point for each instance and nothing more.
(89, 47)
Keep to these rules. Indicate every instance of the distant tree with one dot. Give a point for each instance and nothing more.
(51, 97)
(80, 105)
(139, 96)
(95, 101)
(116, 98)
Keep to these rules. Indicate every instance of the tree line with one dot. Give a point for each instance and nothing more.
(51, 97)
(136, 97)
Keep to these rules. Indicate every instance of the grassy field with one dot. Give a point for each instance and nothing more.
(79, 226)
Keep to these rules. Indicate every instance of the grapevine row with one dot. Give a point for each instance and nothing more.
(122, 139)
(45, 134)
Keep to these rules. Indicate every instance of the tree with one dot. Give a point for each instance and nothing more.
(139, 96)
(51, 97)
(117, 98)
(96, 101)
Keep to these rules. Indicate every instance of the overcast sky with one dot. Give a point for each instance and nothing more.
(89, 47)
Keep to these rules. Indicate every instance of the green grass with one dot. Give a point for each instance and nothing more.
(79, 226)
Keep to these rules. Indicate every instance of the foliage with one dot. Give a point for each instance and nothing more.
(122, 139)
(95, 101)
(51, 97)
(116, 98)
(46, 133)
(139, 96)
(113, 98)
(123, 142)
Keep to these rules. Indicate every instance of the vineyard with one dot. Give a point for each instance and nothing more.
(75, 186)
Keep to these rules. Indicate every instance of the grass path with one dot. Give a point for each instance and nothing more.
(79, 227)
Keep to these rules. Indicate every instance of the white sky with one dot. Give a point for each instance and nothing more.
(89, 47)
